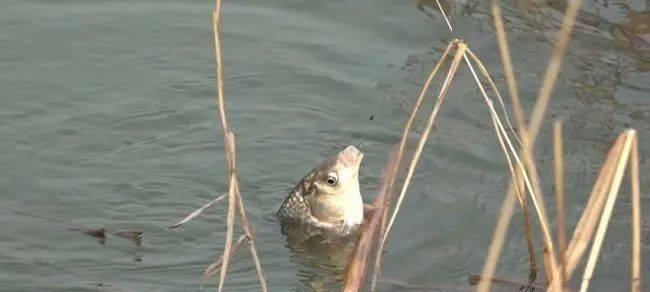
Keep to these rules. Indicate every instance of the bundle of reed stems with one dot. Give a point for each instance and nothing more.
(560, 263)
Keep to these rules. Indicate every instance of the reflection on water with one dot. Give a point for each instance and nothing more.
(321, 261)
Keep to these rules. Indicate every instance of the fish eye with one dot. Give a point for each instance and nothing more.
(332, 179)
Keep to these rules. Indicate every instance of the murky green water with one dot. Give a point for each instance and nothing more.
(108, 120)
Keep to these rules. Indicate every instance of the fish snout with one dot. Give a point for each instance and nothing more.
(350, 156)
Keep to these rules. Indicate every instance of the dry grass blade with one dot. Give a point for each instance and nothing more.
(197, 212)
(623, 158)
(558, 160)
(212, 269)
(460, 52)
(400, 153)
(636, 217)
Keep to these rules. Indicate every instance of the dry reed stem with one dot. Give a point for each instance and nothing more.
(636, 218)
(583, 231)
(232, 202)
(212, 269)
(460, 52)
(355, 273)
(537, 203)
(506, 61)
(251, 240)
(532, 275)
(197, 212)
(609, 207)
(229, 140)
(558, 166)
(554, 66)
(533, 129)
(444, 15)
(496, 245)
(400, 154)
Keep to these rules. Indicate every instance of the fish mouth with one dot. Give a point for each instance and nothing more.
(350, 156)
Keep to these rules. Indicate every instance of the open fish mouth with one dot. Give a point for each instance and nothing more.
(350, 156)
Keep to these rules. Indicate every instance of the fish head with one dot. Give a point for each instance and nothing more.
(336, 196)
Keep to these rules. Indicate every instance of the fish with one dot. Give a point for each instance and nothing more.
(327, 200)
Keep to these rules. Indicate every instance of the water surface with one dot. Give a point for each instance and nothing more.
(108, 120)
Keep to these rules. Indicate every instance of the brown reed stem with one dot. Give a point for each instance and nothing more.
(400, 155)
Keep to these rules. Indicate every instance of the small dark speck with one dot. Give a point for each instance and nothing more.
(372, 117)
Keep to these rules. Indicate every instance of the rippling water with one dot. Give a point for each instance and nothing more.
(108, 120)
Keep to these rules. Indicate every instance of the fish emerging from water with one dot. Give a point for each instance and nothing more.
(327, 200)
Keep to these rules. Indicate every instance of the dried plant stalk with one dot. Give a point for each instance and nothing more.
(355, 274)
(586, 226)
(212, 269)
(503, 135)
(235, 199)
(230, 219)
(400, 154)
(558, 165)
(636, 217)
(460, 52)
(609, 207)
